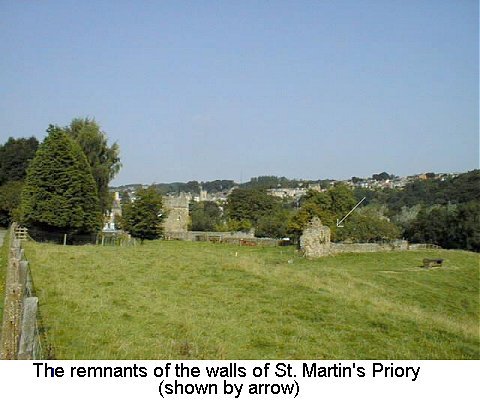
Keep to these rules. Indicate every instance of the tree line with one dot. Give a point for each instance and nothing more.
(439, 211)
(60, 185)
(443, 212)
(274, 217)
(224, 185)
(428, 192)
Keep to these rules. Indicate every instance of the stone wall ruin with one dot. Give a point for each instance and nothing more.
(315, 240)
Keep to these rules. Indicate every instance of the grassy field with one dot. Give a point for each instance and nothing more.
(180, 300)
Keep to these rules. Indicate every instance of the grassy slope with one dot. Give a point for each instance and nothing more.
(198, 300)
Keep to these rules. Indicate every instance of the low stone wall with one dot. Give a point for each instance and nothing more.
(200, 236)
(238, 238)
(422, 246)
(336, 248)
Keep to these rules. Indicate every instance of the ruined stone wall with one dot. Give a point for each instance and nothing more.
(315, 240)
(200, 236)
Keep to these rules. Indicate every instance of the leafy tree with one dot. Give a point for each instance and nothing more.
(59, 192)
(466, 234)
(311, 208)
(454, 227)
(367, 227)
(265, 182)
(15, 155)
(205, 216)
(143, 217)
(406, 216)
(10, 194)
(249, 205)
(192, 187)
(248, 208)
(430, 226)
(232, 225)
(178, 187)
(218, 185)
(382, 176)
(371, 196)
(272, 182)
(464, 188)
(322, 200)
(342, 200)
(335, 203)
(273, 225)
(438, 210)
(104, 160)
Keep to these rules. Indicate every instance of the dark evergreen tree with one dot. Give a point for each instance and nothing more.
(10, 194)
(60, 194)
(15, 155)
(143, 217)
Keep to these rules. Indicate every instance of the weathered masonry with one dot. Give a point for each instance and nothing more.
(177, 219)
(315, 240)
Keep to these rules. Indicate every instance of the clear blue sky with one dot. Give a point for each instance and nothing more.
(232, 89)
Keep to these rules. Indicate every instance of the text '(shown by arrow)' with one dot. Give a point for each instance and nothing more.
(343, 219)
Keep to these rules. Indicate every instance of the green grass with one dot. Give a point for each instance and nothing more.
(180, 300)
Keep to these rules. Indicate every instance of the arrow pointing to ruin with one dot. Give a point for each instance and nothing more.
(343, 219)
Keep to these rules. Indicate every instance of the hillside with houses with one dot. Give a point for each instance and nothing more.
(402, 202)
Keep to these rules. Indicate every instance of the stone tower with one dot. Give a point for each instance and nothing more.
(177, 219)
